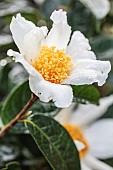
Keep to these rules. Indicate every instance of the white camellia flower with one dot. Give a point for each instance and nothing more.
(93, 138)
(100, 8)
(52, 64)
(39, 2)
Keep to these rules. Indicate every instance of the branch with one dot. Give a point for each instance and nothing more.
(19, 115)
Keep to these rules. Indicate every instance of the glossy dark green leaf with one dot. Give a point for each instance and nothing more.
(4, 80)
(14, 104)
(50, 5)
(12, 166)
(76, 21)
(103, 47)
(17, 100)
(86, 93)
(54, 142)
(46, 108)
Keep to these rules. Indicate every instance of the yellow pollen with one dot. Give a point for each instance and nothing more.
(53, 64)
(76, 134)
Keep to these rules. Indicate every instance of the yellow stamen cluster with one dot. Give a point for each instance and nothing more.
(76, 134)
(53, 64)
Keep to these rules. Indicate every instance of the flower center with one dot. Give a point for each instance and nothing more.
(76, 134)
(53, 64)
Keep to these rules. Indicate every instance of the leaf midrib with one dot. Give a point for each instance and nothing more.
(31, 122)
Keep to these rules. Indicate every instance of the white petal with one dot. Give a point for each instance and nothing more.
(19, 28)
(60, 33)
(32, 42)
(100, 138)
(60, 94)
(19, 58)
(86, 114)
(100, 8)
(64, 115)
(84, 166)
(96, 164)
(89, 72)
(79, 47)
(80, 146)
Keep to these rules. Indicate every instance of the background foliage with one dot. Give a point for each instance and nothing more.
(13, 146)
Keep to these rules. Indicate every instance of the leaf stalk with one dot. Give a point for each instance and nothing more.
(19, 115)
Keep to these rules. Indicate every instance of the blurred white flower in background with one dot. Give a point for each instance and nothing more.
(93, 138)
(52, 64)
(39, 2)
(100, 8)
(17, 74)
(15, 7)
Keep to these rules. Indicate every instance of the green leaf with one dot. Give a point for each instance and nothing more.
(75, 18)
(86, 93)
(4, 80)
(109, 161)
(50, 5)
(10, 149)
(108, 113)
(15, 102)
(17, 99)
(54, 142)
(46, 108)
(12, 166)
(103, 47)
